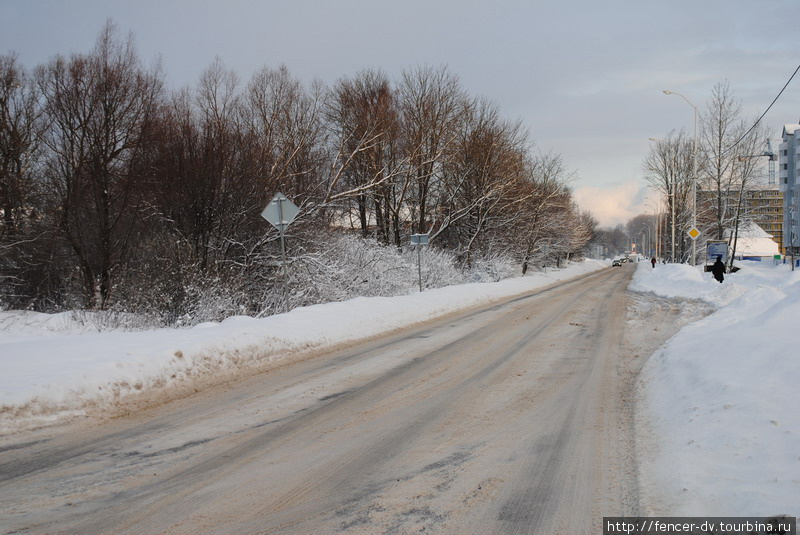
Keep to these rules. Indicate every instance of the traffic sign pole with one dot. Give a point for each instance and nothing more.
(283, 254)
(280, 212)
(418, 240)
(419, 266)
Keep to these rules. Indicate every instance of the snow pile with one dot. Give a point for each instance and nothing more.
(53, 367)
(680, 280)
(718, 423)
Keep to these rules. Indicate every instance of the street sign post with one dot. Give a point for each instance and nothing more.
(280, 212)
(693, 233)
(418, 240)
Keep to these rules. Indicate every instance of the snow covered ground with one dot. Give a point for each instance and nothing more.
(719, 413)
(55, 367)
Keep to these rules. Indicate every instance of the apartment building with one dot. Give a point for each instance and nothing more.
(788, 170)
(765, 207)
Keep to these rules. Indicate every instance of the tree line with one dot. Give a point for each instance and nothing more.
(117, 192)
(730, 156)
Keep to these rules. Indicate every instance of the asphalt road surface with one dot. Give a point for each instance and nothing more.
(511, 418)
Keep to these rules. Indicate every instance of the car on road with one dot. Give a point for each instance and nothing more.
(616, 262)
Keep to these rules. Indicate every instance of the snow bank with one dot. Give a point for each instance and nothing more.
(680, 280)
(719, 420)
(52, 367)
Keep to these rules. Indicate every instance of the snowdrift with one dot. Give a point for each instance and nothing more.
(53, 368)
(718, 423)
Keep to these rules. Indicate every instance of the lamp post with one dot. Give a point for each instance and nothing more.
(694, 172)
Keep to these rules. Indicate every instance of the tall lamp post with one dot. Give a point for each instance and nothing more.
(694, 172)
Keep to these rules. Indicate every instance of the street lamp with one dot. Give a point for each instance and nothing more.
(694, 172)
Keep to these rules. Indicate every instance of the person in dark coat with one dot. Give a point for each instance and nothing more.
(653, 262)
(718, 269)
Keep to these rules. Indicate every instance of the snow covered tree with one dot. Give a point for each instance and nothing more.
(367, 168)
(486, 160)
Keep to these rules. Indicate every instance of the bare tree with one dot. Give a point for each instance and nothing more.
(485, 162)
(431, 104)
(668, 169)
(728, 144)
(100, 108)
(20, 133)
(717, 177)
(546, 196)
(368, 165)
(744, 171)
(284, 123)
(203, 187)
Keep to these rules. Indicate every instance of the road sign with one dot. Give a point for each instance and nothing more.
(419, 239)
(693, 233)
(715, 248)
(280, 212)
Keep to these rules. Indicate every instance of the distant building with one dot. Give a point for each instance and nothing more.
(788, 170)
(763, 205)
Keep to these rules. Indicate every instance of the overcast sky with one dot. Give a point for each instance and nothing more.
(586, 77)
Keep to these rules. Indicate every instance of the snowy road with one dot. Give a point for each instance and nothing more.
(507, 419)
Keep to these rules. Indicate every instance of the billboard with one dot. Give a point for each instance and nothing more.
(715, 248)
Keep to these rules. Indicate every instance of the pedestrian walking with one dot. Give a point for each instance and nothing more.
(718, 269)
(653, 262)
